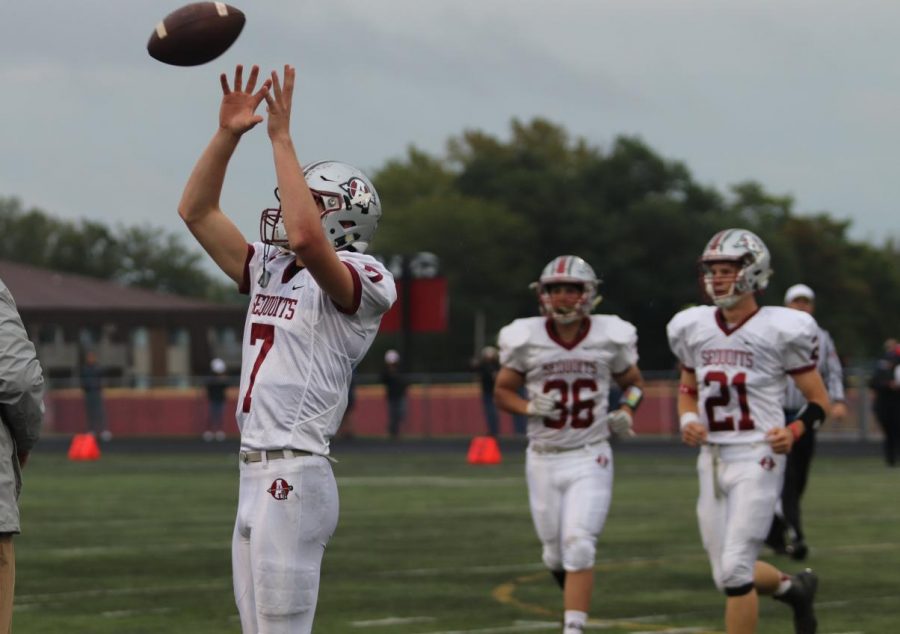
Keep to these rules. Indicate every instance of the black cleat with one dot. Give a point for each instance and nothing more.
(797, 550)
(800, 597)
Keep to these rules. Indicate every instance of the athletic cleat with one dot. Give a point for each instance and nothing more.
(797, 550)
(800, 597)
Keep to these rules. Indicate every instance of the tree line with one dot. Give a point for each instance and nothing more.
(496, 211)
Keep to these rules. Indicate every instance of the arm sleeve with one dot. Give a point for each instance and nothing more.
(512, 341)
(627, 352)
(833, 373)
(800, 352)
(676, 331)
(374, 288)
(21, 379)
(249, 270)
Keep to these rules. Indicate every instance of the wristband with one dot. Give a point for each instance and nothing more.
(687, 418)
(812, 415)
(632, 396)
(687, 389)
(795, 430)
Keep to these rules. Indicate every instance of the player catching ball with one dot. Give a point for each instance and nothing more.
(736, 358)
(316, 302)
(566, 360)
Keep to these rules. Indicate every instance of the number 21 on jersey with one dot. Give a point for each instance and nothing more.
(724, 394)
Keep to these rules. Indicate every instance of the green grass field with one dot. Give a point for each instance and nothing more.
(426, 544)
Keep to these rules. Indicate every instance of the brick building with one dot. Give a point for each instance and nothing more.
(142, 338)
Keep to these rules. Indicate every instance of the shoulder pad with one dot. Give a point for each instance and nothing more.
(615, 328)
(790, 324)
(517, 333)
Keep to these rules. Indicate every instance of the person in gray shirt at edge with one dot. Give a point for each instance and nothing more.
(21, 413)
(786, 535)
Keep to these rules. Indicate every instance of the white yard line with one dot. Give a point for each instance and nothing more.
(393, 620)
(27, 600)
(121, 614)
(676, 630)
(518, 626)
(441, 572)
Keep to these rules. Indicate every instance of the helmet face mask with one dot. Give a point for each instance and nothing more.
(348, 204)
(748, 253)
(567, 269)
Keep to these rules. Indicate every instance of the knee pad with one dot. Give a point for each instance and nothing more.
(579, 552)
(552, 557)
(739, 591)
(282, 590)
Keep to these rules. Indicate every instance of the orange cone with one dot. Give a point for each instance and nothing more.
(84, 447)
(75, 447)
(484, 450)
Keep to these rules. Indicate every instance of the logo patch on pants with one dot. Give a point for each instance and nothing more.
(280, 489)
(767, 463)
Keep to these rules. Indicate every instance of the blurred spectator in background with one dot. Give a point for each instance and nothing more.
(216, 385)
(885, 382)
(21, 415)
(786, 535)
(92, 386)
(395, 385)
(487, 365)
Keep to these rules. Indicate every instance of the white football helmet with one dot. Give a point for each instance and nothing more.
(350, 206)
(568, 269)
(747, 250)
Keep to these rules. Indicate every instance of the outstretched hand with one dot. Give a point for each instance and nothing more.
(279, 103)
(237, 113)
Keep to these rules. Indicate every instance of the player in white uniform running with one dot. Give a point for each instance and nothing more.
(567, 359)
(736, 358)
(316, 302)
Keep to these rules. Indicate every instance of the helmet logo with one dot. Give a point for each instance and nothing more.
(748, 242)
(359, 193)
(279, 489)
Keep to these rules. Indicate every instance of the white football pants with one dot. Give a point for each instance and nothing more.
(569, 494)
(739, 486)
(287, 512)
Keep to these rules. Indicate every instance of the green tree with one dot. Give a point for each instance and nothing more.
(135, 256)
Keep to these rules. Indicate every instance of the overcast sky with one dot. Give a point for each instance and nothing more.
(801, 96)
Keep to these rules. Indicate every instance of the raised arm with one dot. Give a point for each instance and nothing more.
(301, 215)
(199, 206)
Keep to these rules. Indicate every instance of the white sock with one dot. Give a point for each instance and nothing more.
(573, 621)
(784, 586)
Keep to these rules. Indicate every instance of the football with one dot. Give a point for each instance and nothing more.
(196, 33)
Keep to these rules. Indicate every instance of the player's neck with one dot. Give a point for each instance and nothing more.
(736, 314)
(568, 333)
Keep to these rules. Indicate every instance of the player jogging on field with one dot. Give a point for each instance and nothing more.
(316, 302)
(567, 359)
(736, 358)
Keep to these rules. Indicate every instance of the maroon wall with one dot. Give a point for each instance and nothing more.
(434, 410)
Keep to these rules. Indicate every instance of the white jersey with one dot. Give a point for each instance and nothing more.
(742, 371)
(577, 375)
(300, 348)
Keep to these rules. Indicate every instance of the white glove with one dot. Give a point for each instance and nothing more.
(542, 405)
(620, 423)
